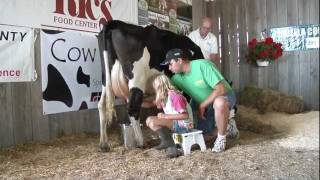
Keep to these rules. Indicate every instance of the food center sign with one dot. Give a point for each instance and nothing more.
(80, 15)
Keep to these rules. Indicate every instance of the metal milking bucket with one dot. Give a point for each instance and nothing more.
(129, 141)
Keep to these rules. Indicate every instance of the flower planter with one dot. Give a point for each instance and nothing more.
(264, 51)
(262, 63)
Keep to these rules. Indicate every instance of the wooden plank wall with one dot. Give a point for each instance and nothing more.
(21, 118)
(295, 73)
(198, 11)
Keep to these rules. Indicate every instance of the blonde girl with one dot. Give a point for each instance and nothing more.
(175, 117)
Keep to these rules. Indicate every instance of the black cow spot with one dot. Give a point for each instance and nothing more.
(135, 102)
(57, 88)
(83, 78)
(83, 105)
(47, 31)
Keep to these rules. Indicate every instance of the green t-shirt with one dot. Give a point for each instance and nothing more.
(200, 81)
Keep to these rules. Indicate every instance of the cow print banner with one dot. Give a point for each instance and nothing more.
(71, 71)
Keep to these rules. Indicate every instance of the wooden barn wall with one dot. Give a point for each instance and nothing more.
(21, 118)
(198, 12)
(295, 73)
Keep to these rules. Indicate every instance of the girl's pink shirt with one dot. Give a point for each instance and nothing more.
(179, 102)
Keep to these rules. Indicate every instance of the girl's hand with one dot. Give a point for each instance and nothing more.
(161, 116)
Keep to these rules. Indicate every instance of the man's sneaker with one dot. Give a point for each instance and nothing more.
(232, 130)
(219, 145)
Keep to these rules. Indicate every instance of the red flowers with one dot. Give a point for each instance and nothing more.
(264, 50)
(269, 41)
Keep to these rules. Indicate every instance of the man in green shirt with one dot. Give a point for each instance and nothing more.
(201, 80)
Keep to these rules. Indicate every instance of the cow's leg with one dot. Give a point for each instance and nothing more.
(137, 85)
(103, 122)
(135, 101)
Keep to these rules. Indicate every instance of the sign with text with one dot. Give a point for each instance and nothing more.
(165, 14)
(71, 71)
(297, 37)
(16, 54)
(79, 15)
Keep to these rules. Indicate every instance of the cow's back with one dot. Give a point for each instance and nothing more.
(157, 41)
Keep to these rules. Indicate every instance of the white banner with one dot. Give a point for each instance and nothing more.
(16, 54)
(79, 15)
(71, 71)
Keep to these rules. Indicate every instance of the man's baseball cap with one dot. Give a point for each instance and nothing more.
(173, 54)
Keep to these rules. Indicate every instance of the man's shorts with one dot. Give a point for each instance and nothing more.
(208, 123)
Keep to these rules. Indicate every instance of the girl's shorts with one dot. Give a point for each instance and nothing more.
(179, 128)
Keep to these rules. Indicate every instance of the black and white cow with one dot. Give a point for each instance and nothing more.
(131, 56)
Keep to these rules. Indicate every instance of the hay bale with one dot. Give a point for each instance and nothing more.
(266, 100)
(249, 120)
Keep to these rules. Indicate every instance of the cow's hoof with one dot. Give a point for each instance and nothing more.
(140, 146)
(104, 147)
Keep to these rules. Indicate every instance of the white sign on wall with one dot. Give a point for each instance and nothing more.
(16, 54)
(71, 71)
(79, 15)
(293, 38)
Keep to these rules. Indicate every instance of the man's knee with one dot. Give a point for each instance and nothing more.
(221, 103)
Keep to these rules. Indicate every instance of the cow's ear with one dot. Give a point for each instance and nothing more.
(192, 52)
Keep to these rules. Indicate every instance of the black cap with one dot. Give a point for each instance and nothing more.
(172, 54)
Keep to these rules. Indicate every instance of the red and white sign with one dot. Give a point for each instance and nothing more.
(16, 54)
(79, 15)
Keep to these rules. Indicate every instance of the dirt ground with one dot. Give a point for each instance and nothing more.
(271, 146)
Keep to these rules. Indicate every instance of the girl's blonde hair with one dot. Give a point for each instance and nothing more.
(164, 86)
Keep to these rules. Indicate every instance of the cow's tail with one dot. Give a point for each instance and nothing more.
(109, 93)
(107, 62)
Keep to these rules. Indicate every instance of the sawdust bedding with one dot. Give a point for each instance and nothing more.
(256, 155)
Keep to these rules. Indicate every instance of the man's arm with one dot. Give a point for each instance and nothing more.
(149, 102)
(219, 90)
